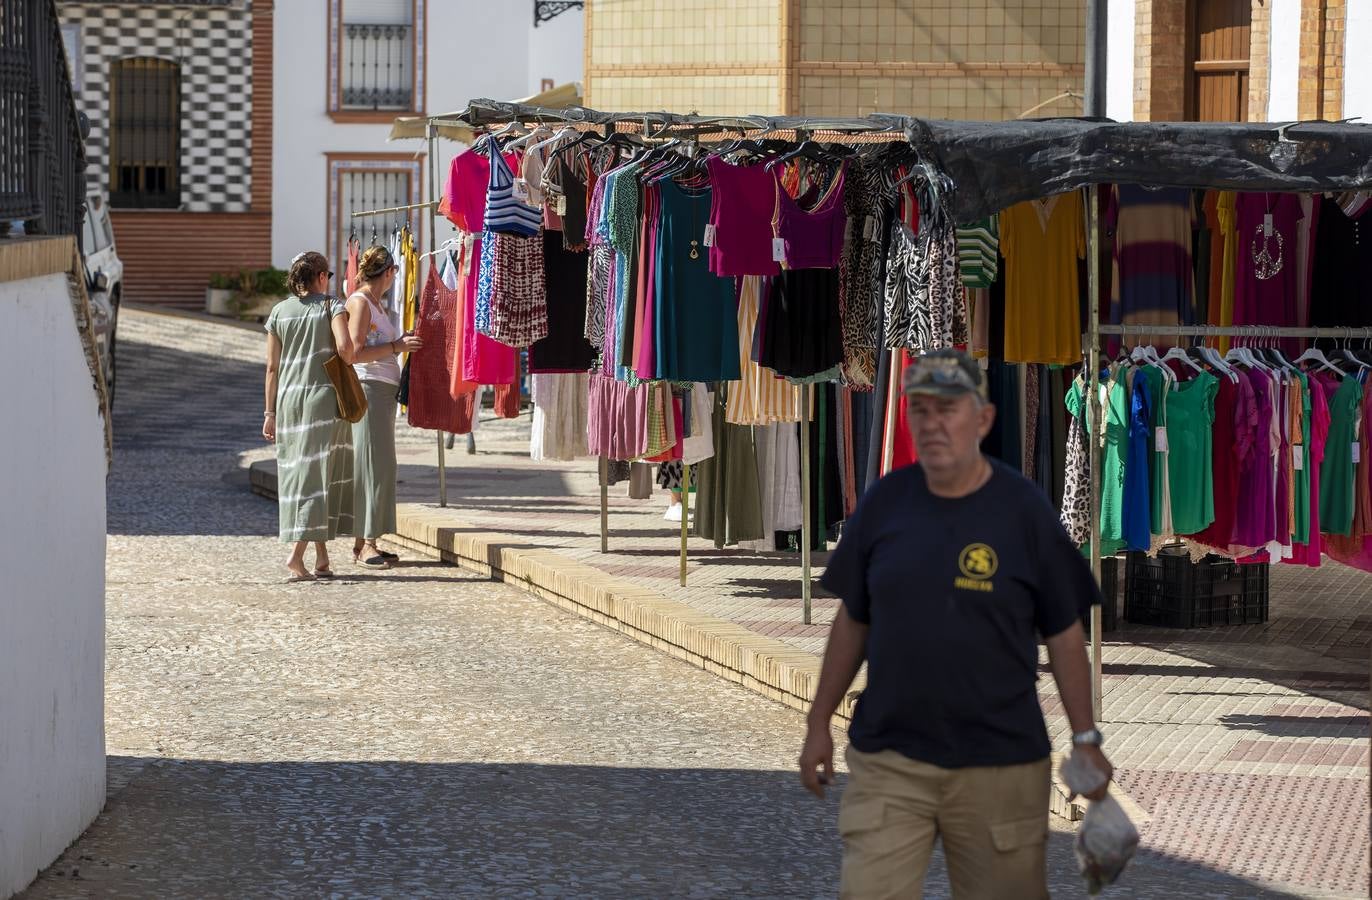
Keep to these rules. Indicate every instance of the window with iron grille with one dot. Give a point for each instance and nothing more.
(377, 71)
(145, 133)
(374, 181)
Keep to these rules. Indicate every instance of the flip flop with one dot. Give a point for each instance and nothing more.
(296, 579)
(323, 573)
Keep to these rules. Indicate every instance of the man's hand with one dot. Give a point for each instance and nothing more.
(817, 755)
(1096, 757)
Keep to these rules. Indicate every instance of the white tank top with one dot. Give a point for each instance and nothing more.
(382, 332)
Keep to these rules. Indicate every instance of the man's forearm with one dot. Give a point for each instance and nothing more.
(1072, 672)
(842, 659)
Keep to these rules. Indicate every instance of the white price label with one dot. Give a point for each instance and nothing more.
(562, 204)
(1267, 225)
(1298, 456)
(521, 190)
(1160, 439)
(709, 235)
(1357, 452)
(778, 249)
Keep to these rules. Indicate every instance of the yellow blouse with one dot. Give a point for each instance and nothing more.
(1042, 241)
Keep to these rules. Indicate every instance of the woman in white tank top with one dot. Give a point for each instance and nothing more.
(376, 362)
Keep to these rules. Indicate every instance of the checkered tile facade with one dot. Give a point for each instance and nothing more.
(213, 46)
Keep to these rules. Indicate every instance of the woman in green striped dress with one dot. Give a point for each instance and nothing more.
(314, 456)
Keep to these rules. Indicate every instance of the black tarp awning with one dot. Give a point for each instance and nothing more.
(999, 164)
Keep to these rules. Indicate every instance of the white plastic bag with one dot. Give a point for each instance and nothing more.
(1107, 839)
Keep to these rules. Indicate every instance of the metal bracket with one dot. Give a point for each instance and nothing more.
(547, 10)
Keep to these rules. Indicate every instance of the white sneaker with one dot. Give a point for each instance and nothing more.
(673, 513)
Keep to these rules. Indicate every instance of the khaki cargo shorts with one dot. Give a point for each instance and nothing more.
(993, 821)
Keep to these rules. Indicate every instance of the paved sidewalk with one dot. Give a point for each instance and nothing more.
(1246, 748)
(1237, 744)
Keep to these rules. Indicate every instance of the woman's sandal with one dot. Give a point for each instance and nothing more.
(390, 557)
(374, 562)
(323, 573)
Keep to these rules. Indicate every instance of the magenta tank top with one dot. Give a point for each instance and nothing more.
(742, 200)
(813, 237)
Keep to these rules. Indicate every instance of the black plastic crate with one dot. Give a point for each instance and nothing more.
(1172, 591)
(1110, 591)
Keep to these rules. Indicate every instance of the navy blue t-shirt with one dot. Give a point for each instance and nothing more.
(956, 592)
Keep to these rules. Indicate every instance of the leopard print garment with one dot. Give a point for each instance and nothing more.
(859, 268)
(1076, 490)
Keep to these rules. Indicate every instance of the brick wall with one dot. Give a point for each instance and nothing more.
(1320, 94)
(1160, 61)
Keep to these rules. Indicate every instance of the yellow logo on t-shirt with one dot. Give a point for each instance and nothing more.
(978, 563)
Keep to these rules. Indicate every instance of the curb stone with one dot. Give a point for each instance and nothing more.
(761, 664)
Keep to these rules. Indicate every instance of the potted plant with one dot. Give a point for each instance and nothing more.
(245, 293)
(219, 295)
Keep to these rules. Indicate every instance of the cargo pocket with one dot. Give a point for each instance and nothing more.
(1007, 837)
(860, 814)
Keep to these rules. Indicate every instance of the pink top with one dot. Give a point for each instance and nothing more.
(483, 360)
(813, 237)
(742, 200)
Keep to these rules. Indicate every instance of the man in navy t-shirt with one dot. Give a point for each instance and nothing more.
(950, 571)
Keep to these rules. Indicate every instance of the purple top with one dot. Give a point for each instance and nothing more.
(1254, 524)
(814, 237)
(1265, 292)
(742, 201)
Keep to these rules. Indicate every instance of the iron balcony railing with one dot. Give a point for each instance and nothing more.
(378, 65)
(42, 157)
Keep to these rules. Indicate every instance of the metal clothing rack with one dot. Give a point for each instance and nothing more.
(1094, 332)
(485, 113)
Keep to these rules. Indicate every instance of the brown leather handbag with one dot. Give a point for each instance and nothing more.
(347, 387)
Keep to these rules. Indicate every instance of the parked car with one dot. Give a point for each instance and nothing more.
(104, 280)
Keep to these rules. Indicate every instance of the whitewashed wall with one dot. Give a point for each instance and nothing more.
(499, 65)
(1119, 60)
(52, 595)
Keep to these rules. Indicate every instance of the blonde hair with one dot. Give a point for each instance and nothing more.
(375, 262)
(305, 271)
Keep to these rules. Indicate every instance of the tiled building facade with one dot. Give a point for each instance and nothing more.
(983, 59)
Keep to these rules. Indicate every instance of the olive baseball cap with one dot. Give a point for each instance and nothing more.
(944, 373)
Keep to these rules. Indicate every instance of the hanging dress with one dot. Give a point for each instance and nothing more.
(1042, 240)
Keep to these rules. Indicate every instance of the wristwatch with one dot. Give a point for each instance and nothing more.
(1092, 737)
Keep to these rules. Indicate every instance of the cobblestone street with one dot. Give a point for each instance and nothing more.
(418, 732)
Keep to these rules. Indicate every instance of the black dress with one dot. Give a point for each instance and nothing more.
(802, 334)
(565, 349)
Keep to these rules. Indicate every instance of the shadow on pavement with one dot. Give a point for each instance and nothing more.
(178, 828)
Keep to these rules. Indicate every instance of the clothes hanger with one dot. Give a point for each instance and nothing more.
(539, 132)
(1315, 355)
(1180, 354)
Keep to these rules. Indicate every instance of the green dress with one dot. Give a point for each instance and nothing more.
(1336, 472)
(314, 452)
(1190, 453)
(1114, 394)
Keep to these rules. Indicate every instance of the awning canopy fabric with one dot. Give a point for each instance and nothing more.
(453, 127)
(999, 164)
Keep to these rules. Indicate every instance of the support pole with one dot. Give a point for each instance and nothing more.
(806, 395)
(685, 515)
(1094, 424)
(604, 505)
(1094, 102)
(433, 242)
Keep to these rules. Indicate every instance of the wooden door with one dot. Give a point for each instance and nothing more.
(1218, 42)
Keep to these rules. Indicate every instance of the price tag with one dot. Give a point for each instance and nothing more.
(1160, 439)
(709, 235)
(1267, 225)
(1357, 452)
(562, 204)
(521, 190)
(1298, 456)
(778, 250)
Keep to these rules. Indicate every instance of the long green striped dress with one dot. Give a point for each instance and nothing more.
(314, 452)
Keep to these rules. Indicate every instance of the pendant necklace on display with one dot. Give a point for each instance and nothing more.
(1266, 265)
(695, 242)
